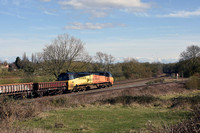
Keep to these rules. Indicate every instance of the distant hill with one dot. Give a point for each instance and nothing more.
(8, 59)
(150, 60)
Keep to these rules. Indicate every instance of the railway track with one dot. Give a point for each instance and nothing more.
(137, 85)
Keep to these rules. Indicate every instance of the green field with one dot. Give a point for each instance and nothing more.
(106, 118)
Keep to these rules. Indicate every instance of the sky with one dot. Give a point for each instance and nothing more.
(141, 29)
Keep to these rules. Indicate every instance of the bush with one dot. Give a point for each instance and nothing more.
(59, 102)
(11, 110)
(191, 125)
(183, 101)
(127, 100)
(193, 83)
(188, 126)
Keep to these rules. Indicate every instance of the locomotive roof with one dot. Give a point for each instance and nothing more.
(89, 72)
(84, 73)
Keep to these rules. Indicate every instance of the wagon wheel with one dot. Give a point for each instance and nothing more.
(40, 94)
(98, 86)
(64, 90)
(74, 89)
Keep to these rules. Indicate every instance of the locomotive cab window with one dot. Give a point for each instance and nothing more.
(63, 77)
(107, 74)
(71, 76)
(110, 75)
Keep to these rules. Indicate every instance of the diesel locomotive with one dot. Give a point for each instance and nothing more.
(70, 81)
(86, 80)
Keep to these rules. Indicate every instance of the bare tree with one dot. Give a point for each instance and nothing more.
(33, 58)
(192, 52)
(62, 52)
(130, 59)
(109, 59)
(104, 60)
(24, 57)
(39, 57)
(100, 59)
(190, 60)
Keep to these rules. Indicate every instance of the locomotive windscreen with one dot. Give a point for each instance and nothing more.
(63, 76)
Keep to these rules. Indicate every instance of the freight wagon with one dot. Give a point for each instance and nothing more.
(32, 89)
(16, 89)
(70, 81)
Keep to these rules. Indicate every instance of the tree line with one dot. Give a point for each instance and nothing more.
(67, 54)
(188, 65)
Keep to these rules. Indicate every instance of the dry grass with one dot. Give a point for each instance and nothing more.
(11, 111)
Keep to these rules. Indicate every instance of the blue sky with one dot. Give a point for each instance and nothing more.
(153, 29)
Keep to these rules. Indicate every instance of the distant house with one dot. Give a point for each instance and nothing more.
(4, 66)
(12, 67)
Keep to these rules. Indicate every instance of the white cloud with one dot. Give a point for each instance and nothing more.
(105, 4)
(182, 14)
(50, 13)
(98, 14)
(99, 8)
(90, 26)
(154, 59)
(82, 4)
